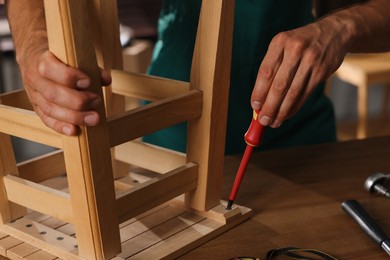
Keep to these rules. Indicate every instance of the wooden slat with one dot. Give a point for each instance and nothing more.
(27, 251)
(38, 197)
(27, 125)
(156, 191)
(210, 73)
(87, 156)
(150, 157)
(41, 255)
(17, 98)
(142, 224)
(52, 241)
(155, 116)
(157, 234)
(21, 251)
(194, 235)
(146, 87)
(164, 232)
(43, 167)
(7, 243)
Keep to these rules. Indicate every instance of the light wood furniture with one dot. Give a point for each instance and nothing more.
(363, 71)
(296, 194)
(98, 209)
(137, 57)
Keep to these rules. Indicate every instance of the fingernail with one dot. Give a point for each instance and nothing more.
(91, 120)
(83, 83)
(275, 124)
(265, 120)
(255, 105)
(67, 130)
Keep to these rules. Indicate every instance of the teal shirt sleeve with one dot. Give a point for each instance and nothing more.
(256, 23)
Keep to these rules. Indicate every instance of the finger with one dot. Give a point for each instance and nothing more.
(265, 76)
(278, 89)
(80, 100)
(312, 83)
(294, 95)
(58, 126)
(310, 73)
(52, 68)
(49, 110)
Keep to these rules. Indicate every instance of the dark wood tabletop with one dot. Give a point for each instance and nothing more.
(296, 194)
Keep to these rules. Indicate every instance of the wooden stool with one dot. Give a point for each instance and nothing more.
(102, 218)
(363, 70)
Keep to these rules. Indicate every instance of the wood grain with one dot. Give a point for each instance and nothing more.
(210, 73)
(154, 116)
(157, 191)
(27, 125)
(146, 87)
(296, 195)
(87, 156)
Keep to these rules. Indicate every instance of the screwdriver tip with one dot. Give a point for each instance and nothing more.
(229, 205)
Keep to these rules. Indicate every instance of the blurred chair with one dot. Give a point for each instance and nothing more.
(362, 71)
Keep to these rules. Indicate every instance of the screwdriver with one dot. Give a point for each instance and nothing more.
(252, 138)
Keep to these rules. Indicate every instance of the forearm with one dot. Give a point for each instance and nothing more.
(28, 26)
(364, 27)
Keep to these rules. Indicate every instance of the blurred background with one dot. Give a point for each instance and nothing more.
(138, 33)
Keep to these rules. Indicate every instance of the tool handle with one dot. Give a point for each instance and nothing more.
(357, 212)
(255, 131)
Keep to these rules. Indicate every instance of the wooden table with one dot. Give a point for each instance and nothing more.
(296, 195)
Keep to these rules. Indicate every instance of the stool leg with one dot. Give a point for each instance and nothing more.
(8, 210)
(362, 127)
(206, 135)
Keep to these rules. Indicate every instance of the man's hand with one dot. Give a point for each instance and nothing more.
(299, 59)
(59, 93)
(295, 63)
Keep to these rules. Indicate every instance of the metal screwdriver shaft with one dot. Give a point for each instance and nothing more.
(253, 138)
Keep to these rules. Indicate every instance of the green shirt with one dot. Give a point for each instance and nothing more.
(256, 23)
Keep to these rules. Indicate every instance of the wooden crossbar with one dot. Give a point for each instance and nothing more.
(17, 98)
(158, 159)
(43, 167)
(154, 116)
(38, 197)
(146, 87)
(27, 125)
(157, 191)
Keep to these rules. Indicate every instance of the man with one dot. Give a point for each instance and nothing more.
(280, 57)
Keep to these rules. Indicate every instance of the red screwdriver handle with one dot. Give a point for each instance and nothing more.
(255, 131)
